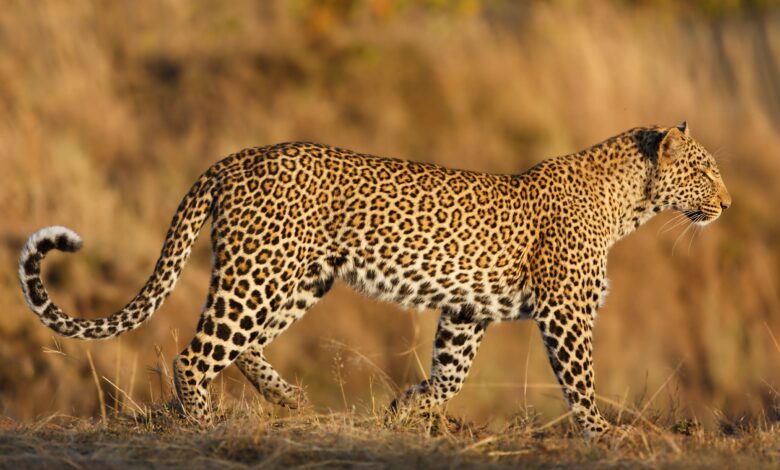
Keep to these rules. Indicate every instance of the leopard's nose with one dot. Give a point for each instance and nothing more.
(725, 200)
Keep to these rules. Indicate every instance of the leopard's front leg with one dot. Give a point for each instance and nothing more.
(568, 336)
(457, 339)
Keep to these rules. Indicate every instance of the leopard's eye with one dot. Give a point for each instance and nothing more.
(707, 173)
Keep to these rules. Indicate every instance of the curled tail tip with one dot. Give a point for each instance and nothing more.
(40, 243)
(48, 238)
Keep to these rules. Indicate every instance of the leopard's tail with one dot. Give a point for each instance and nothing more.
(192, 213)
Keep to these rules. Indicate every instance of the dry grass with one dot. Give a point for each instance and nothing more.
(108, 112)
(251, 434)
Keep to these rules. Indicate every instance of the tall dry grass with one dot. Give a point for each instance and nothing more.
(109, 111)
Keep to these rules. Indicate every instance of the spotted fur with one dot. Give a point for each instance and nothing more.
(288, 220)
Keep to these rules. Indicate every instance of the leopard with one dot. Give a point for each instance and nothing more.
(289, 220)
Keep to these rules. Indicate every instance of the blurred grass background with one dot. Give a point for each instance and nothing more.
(110, 110)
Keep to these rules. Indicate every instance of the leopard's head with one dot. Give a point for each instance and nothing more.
(687, 178)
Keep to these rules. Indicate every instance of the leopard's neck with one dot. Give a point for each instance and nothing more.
(621, 172)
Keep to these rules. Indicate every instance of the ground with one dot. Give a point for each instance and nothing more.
(255, 435)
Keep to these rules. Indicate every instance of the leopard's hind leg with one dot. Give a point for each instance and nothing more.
(216, 344)
(315, 283)
(256, 368)
(235, 324)
(248, 304)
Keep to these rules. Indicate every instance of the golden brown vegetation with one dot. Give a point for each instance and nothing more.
(252, 436)
(108, 112)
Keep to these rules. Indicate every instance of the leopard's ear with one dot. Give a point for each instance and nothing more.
(671, 145)
(684, 128)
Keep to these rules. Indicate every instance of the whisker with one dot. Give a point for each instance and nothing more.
(696, 230)
(682, 220)
(722, 157)
(680, 236)
(675, 221)
(676, 225)
(676, 216)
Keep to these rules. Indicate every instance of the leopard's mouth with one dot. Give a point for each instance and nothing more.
(695, 216)
(699, 217)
